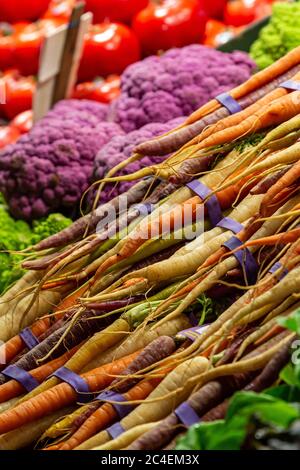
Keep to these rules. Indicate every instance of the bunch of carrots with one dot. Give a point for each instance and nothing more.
(130, 309)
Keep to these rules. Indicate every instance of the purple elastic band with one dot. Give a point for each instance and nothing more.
(122, 410)
(115, 430)
(245, 258)
(186, 414)
(28, 338)
(277, 266)
(290, 85)
(212, 203)
(75, 381)
(21, 376)
(192, 333)
(229, 103)
(230, 224)
(144, 209)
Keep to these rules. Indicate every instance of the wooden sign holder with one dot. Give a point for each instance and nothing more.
(59, 62)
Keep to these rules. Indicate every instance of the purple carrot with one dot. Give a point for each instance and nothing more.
(190, 168)
(262, 381)
(90, 221)
(233, 348)
(267, 182)
(86, 326)
(52, 329)
(157, 350)
(111, 305)
(174, 140)
(201, 401)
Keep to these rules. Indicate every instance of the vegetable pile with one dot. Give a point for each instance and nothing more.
(50, 168)
(280, 35)
(166, 307)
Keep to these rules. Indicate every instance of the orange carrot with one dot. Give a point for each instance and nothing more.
(253, 83)
(13, 388)
(225, 198)
(237, 118)
(276, 112)
(106, 414)
(145, 232)
(286, 180)
(287, 237)
(15, 345)
(275, 330)
(61, 395)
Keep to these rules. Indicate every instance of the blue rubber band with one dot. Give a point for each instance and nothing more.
(122, 410)
(76, 382)
(212, 203)
(194, 332)
(276, 267)
(229, 103)
(29, 338)
(22, 376)
(290, 85)
(230, 224)
(186, 414)
(245, 259)
(115, 430)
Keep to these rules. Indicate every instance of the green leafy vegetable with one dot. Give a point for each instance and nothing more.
(292, 322)
(16, 235)
(230, 434)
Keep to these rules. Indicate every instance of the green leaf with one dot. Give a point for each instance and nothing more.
(229, 434)
(285, 392)
(212, 436)
(292, 322)
(266, 407)
(291, 375)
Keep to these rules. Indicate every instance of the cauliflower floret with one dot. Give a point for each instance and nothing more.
(49, 168)
(120, 148)
(159, 89)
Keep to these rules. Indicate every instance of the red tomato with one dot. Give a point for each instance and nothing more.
(18, 94)
(214, 8)
(60, 9)
(240, 12)
(23, 122)
(20, 10)
(212, 31)
(28, 44)
(8, 135)
(109, 48)
(169, 23)
(101, 90)
(7, 43)
(114, 10)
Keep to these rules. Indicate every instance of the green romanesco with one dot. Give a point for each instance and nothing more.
(52, 224)
(15, 236)
(281, 34)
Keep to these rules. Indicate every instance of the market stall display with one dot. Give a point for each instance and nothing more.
(154, 325)
(150, 224)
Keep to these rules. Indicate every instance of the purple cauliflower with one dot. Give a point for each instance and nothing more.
(120, 148)
(159, 89)
(49, 168)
